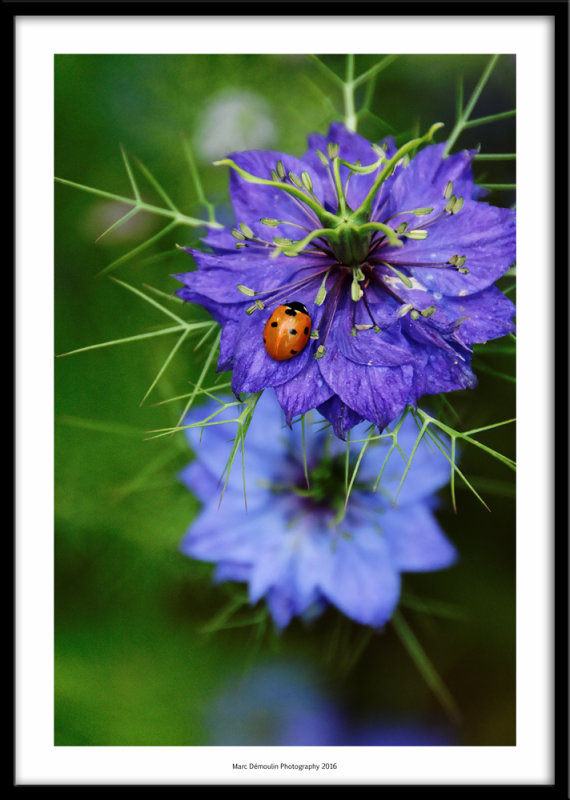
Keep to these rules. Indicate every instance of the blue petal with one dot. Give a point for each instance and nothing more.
(230, 571)
(199, 480)
(417, 542)
(428, 473)
(360, 579)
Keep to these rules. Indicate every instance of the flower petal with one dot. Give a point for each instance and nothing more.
(341, 416)
(484, 234)
(417, 542)
(303, 391)
(253, 201)
(488, 315)
(360, 579)
(378, 394)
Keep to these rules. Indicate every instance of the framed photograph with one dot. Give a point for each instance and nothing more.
(284, 395)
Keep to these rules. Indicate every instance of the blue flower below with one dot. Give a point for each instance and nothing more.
(293, 545)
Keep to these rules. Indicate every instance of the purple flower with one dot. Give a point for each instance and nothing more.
(294, 546)
(394, 260)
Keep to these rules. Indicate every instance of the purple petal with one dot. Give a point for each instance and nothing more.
(422, 183)
(387, 348)
(253, 201)
(341, 416)
(445, 373)
(488, 315)
(484, 234)
(304, 391)
(378, 394)
(352, 148)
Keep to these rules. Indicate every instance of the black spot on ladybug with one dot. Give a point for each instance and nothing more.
(274, 324)
(264, 340)
(306, 331)
(293, 352)
(293, 332)
(291, 312)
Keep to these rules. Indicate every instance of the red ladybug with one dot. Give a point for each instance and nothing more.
(287, 331)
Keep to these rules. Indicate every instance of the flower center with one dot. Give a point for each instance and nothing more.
(326, 489)
(357, 251)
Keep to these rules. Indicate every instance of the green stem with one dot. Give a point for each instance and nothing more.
(366, 206)
(180, 219)
(464, 116)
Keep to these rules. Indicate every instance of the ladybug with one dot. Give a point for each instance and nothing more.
(287, 331)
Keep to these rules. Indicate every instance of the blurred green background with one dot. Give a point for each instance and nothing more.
(134, 665)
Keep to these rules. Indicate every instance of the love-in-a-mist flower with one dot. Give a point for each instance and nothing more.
(393, 258)
(293, 545)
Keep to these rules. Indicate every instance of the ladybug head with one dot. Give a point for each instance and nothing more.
(296, 306)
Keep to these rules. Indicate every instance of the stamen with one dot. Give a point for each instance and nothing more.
(281, 170)
(307, 182)
(416, 234)
(332, 150)
(295, 180)
(355, 290)
(279, 292)
(322, 293)
(324, 160)
(458, 205)
(448, 191)
(404, 278)
(246, 230)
